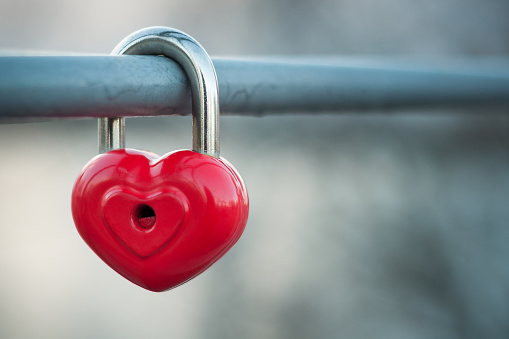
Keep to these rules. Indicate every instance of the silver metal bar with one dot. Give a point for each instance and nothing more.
(196, 63)
(111, 134)
(113, 86)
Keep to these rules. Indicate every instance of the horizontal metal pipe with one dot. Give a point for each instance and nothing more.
(35, 87)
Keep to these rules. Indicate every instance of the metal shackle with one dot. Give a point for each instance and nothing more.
(197, 65)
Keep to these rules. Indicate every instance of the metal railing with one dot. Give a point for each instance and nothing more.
(40, 87)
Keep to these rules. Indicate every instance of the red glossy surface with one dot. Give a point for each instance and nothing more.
(159, 221)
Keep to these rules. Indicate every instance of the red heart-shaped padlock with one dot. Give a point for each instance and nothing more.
(159, 222)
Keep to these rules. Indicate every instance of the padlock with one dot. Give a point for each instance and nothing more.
(161, 221)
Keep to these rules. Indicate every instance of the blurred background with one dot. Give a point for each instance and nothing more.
(385, 224)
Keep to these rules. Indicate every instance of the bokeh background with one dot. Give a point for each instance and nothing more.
(385, 224)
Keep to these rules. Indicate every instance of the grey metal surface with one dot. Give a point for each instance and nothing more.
(195, 61)
(98, 86)
(111, 134)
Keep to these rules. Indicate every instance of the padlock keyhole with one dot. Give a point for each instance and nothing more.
(144, 217)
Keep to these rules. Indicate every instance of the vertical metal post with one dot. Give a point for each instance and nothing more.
(111, 134)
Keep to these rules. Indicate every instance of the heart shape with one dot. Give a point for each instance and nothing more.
(123, 211)
(159, 222)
